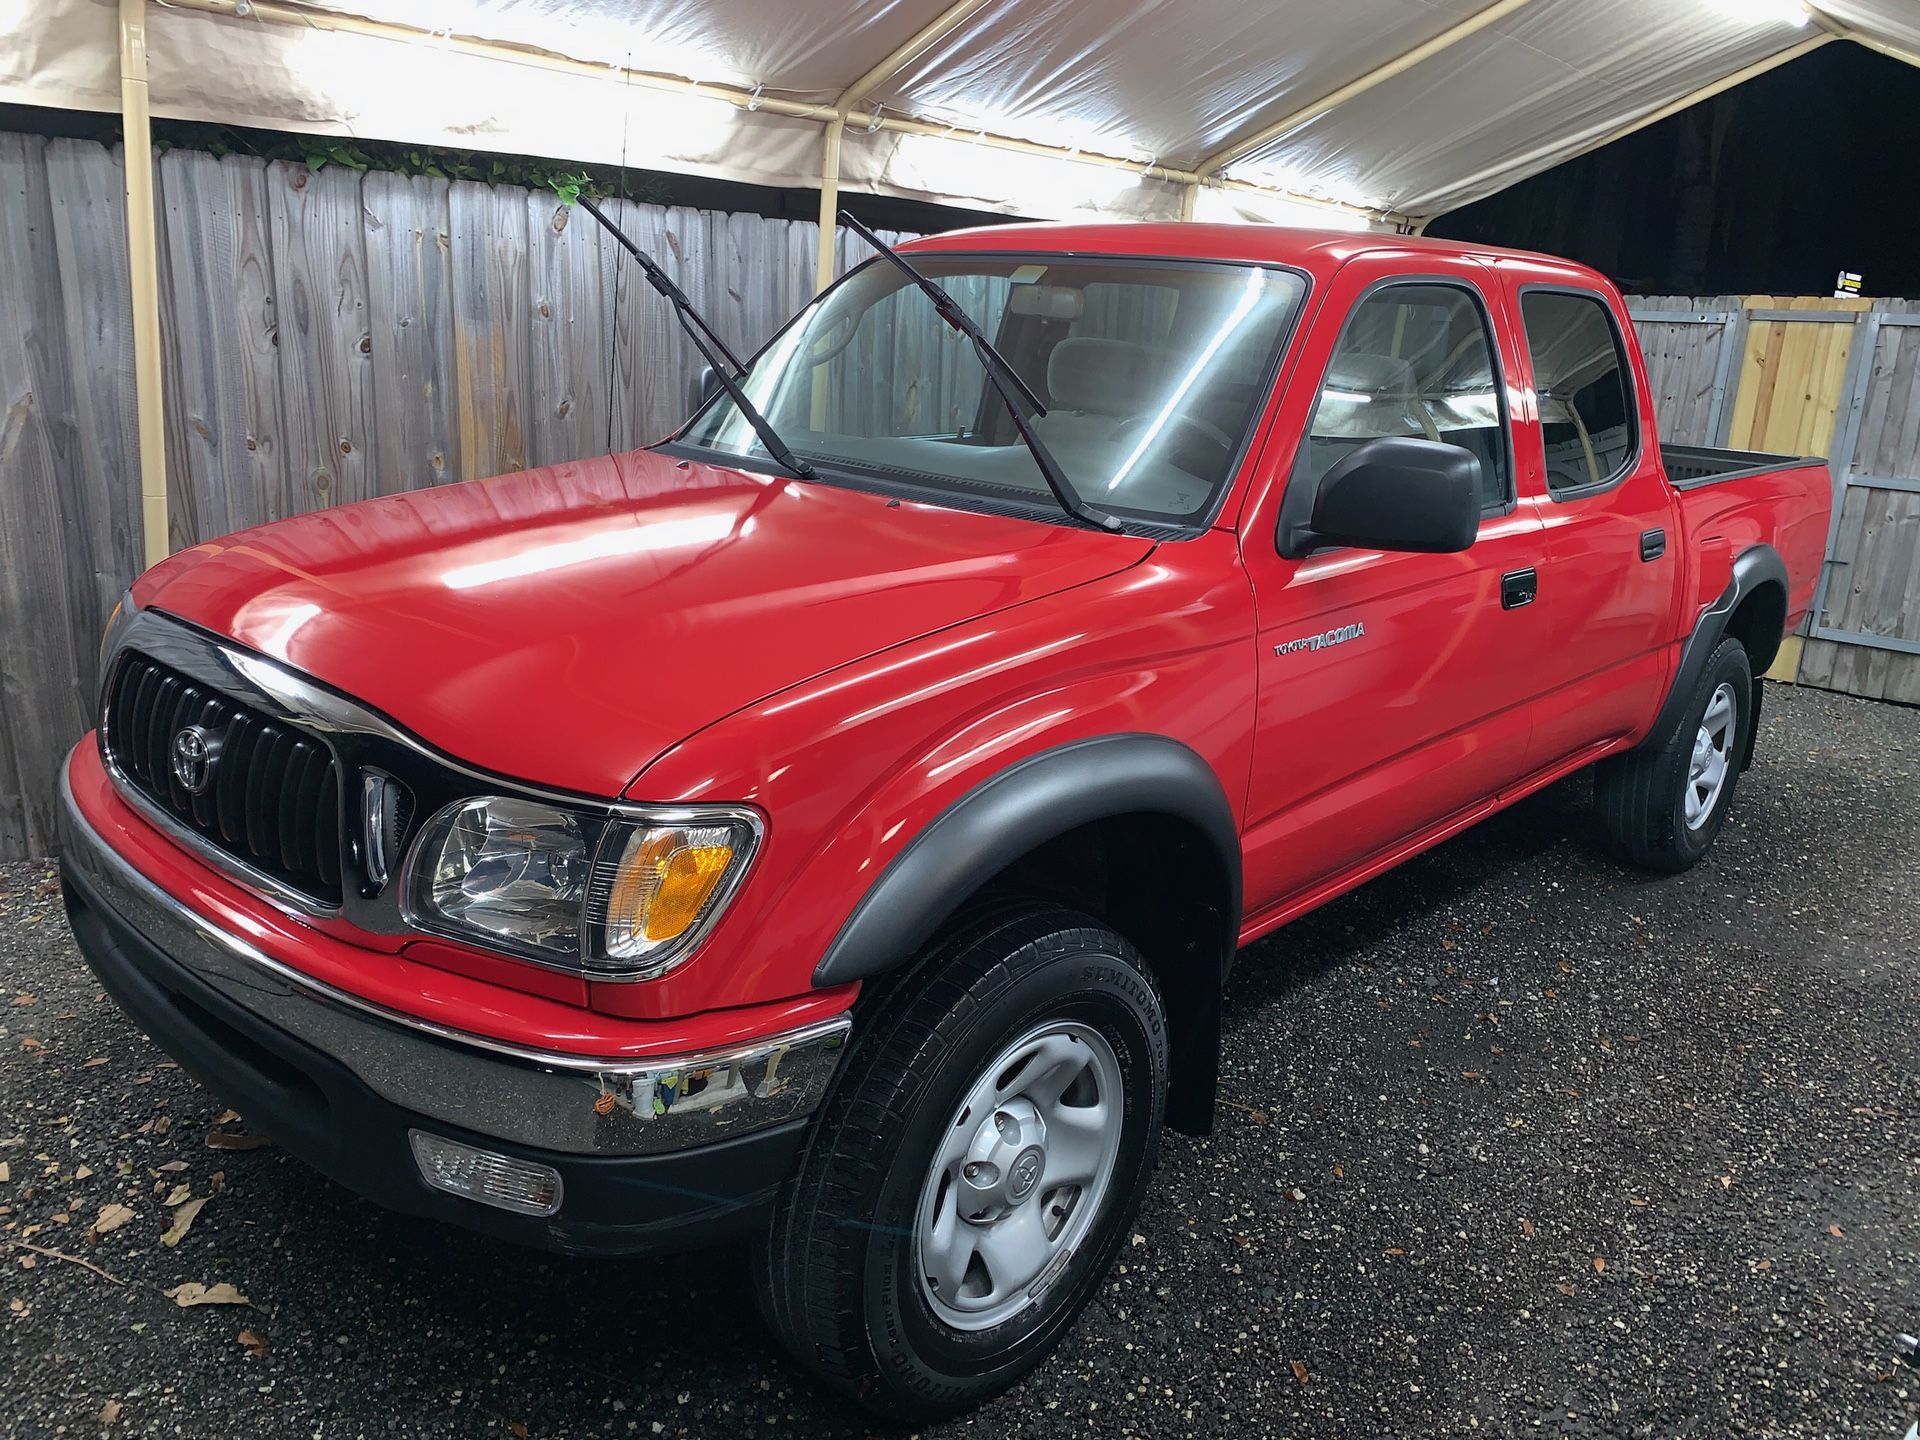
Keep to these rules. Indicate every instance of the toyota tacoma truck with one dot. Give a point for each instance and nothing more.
(834, 826)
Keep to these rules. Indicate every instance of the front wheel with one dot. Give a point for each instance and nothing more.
(1665, 802)
(967, 1186)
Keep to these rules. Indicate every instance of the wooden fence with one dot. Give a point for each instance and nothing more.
(327, 336)
(332, 336)
(1816, 376)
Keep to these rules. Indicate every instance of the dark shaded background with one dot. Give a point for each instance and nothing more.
(1769, 189)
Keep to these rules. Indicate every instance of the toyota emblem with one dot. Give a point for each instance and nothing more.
(193, 752)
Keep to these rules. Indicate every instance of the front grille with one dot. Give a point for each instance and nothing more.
(272, 797)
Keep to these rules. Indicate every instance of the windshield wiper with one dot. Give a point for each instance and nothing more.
(725, 364)
(1022, 404)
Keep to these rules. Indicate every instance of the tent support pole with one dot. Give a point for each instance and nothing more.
(143, 274)
(829, 202)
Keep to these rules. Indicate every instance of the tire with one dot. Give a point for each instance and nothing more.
(873, 1208)
(1661, 808)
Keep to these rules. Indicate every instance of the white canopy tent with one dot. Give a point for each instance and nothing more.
(1382, 111)
(1363, 113)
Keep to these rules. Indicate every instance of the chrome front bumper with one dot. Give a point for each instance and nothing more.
(543, 1099)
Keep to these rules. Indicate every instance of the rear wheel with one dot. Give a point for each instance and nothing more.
(1665, 804)
(966, 1187)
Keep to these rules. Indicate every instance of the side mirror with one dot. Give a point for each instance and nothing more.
(1395, 493)
(702, 388)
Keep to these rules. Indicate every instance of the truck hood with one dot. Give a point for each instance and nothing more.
(565, 626)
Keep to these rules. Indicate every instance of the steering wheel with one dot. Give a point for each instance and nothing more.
(1203, 433)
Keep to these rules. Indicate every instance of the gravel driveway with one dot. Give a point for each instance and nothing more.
(1515, 1142)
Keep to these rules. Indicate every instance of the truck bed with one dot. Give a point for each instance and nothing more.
(1690, 467)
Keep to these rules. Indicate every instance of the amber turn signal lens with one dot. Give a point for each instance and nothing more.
(665, 883)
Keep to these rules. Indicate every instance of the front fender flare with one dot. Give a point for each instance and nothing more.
(1036, 800)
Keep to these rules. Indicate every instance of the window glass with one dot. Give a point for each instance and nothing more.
(1416, 360)
(1580, 379)
(1151, 373)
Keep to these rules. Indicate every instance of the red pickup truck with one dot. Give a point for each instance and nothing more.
(835, 825)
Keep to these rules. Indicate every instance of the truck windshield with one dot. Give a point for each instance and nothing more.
(1151, 372)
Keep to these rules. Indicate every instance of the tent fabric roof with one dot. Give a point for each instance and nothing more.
(1499, 89)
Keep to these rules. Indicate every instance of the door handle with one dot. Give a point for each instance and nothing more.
(1518, 587)
(1653, 544)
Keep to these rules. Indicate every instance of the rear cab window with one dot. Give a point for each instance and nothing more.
(1588, 425)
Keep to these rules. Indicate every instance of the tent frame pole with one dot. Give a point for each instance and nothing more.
(902, 55)
(1334, 99)
(143, 275)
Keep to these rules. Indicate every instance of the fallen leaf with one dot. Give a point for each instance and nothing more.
(95, 1062)
(183, 1219)
(18, 1307)
(23, 998)
(172, 1167)
(255, 1345)
(179, 1195)
(518, 1429)
(194, 1293)
(27, 1262)
(6, 1172)
(1599, 1265)
(1526, 1227)
(1726, 1182)
(27, 1042)
(1299, 1370)
(1835, 1231)
(110, 1413)
(1339, 1173)
(1760, 1265)
(82, 1172)
(231, 1140)
(225, 1116)
(112, 1217)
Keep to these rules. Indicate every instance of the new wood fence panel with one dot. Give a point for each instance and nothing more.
(326, 341)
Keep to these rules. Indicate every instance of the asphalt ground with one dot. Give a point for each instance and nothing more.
(1515, 1142)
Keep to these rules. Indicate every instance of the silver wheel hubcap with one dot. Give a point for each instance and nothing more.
(1712, 757)
(1019, 1175)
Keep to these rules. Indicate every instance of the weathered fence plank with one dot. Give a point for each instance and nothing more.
(326, 346)
(223, 386)
(410, 282)
(566, 331)
(46, 586)
(490, 317)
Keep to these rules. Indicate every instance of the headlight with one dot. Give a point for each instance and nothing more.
(618, 898)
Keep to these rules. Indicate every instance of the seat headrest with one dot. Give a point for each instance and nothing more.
(1104, 377)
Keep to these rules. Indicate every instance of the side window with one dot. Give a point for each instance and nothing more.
(1580, 378)
(1415, 360)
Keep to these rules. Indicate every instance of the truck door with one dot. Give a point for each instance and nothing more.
(1394, 689)
(1611, 521)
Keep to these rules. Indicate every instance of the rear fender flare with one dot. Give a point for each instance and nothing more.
(1754, 567)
